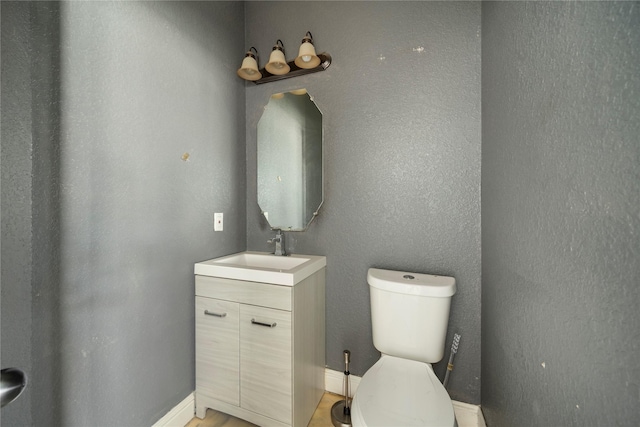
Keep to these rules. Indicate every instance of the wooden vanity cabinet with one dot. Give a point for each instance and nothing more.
(260, 349)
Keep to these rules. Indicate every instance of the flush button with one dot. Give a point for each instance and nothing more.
(408, 277)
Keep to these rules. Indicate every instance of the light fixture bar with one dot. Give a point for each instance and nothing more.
(325, 61)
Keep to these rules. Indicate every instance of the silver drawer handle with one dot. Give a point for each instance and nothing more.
(211, 313)
(268, 325)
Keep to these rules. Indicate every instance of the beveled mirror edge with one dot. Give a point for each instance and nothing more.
(317, 210)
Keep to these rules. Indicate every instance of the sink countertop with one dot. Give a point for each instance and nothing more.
(256, 267)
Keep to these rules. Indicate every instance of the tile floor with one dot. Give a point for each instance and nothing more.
(321, 418)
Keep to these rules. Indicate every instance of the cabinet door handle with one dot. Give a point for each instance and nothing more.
(268, 325)
(211, 313)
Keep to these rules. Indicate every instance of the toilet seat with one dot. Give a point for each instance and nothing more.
(399, 392)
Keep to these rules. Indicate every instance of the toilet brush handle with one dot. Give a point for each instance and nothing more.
(347, 360)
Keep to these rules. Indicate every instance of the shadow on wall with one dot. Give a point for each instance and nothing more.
(31, 77)
(46, 382)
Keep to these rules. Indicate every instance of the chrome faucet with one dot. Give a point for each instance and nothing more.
(279, 241)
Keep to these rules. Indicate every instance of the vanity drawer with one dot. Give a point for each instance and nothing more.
(260, 294)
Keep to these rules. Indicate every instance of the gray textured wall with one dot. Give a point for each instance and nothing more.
(560, 214)
(120, 92)
(16, 188)
(101, 226)
(402, 151)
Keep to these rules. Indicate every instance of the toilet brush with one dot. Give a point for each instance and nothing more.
(454, 350)
(341, 410)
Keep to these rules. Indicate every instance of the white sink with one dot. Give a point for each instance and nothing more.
(262, 267)
(262, 260)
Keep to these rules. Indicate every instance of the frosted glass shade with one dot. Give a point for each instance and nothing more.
(277, 63)
(249, 69)
(307, 57)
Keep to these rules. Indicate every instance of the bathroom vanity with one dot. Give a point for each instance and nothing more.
(260, 337)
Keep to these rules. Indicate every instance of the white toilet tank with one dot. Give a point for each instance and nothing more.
(410, 313)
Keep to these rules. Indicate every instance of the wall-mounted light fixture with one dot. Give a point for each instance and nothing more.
(249, 68)
(277, 64)
(278, 68)
(307, 57)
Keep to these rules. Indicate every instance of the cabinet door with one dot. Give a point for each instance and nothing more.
(217, 349)
(265, 367)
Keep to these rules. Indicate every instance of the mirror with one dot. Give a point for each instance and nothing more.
(290, 190)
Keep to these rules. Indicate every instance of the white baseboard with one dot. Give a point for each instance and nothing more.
(180, 415)
(334, 380)
(467, 415)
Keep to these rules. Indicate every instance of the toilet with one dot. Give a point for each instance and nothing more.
(409, 316)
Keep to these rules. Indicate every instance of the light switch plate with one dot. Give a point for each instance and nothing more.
(217, 221)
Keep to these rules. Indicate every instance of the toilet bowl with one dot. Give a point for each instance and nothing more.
(409, 316)
(398, 392)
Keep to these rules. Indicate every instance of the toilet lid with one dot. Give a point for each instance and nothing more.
(399, 392)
